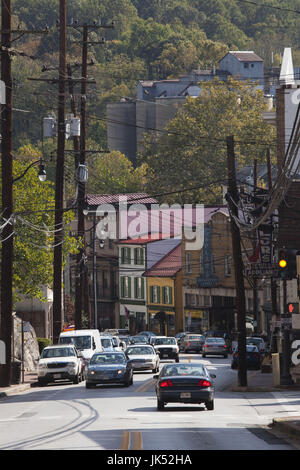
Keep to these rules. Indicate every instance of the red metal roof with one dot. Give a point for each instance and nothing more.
(167, 266)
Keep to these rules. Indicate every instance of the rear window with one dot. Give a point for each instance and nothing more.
(182, 370)
(215, 340)
(198, 337)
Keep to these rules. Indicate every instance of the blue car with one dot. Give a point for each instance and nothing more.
(253, 358)
(109, 368)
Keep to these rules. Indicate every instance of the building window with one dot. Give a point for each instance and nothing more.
(188, 263)
(227, 265)
(125, 255)
(139, 288)
(167, 295)
(139, 256)
(125, 287)
(155, 294)
(246, 65)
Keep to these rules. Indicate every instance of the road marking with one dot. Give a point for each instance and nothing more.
(125, 441)
(146, 386)
(137, 440)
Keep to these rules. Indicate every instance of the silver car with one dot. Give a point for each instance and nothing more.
(193, 342)
(215, 346)
(143, 357)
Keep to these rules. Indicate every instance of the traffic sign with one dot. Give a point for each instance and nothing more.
(293, 307)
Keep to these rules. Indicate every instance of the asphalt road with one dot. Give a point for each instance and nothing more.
(67, 416)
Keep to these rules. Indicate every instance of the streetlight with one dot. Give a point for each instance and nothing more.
(41, 174)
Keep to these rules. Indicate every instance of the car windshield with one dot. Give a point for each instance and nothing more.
(215, 340)
(106, 342)
(58, 352)
(142, 350)
(108, 359)
(80, 342)
(183, 369)
(255, 341)
(164, 341)
(139, 339)
(249, 348)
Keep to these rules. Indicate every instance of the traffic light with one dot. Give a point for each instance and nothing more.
(287, 263)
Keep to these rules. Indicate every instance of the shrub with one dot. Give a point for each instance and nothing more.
(43, 342)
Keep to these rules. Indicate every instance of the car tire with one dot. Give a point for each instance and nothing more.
(209, 405)
(225, 356)
(88, 385)
(76, 380)
(160, 405)
(233, 366)
(177, 359)
(41, 383)
(203, 355)
(131, 380)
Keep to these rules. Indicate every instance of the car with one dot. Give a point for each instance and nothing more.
(109, 368)
(256, 341)
(138, 340)
(60, 362)
(85, 341)
(106, 343)
(167, 347)
(253, 357)
(125, 340)
(146, 333)
(193, 342)
(143, 357)
(184, 383)
(215, 346)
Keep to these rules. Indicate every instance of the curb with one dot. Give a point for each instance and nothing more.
(17, 389)
(289, 425)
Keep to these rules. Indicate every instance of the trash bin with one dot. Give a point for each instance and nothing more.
(16, 372)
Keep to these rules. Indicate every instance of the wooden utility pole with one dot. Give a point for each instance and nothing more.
(255, 241)
(59, 183)
(238, 263)
(7, 195)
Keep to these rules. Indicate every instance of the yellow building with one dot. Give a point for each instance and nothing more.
(164, 294)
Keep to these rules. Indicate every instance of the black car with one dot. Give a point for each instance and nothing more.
(138, 339)
(184, 383)
(109, 367)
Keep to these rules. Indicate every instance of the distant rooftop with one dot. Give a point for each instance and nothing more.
(246, 56)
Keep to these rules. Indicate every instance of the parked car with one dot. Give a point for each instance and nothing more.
(143, 357)
(138, 339)
(149, 334)
(109, 368)
(215, 346)
(259, 342)
(184, 383)
(193, 342)
(253, 357)
(60, 362)
(167, 347)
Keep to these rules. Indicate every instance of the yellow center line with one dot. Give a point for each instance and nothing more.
(146, 386)
(125, 440)
(137, 440)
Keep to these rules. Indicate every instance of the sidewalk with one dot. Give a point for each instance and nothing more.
(30, 380)
(263, 382)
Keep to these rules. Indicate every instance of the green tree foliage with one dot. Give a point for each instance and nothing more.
(192, 151)
(34, 209)
(113, 173)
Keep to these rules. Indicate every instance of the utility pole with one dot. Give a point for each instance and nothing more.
(255, 283)
(59, 183)
(79, 285)
(7, 194)
(238, 263)
(273, 280)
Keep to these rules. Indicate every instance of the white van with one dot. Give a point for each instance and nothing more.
(85, 341)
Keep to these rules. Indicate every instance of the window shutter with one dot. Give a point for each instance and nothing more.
(129, 287)
(158, 294)
(136, 256)
(122, 255)
(143, 288)
(122, 286)
(164, 297)
(135, 287)
(170, 295)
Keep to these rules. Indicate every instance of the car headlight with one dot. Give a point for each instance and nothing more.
(42, 366)
(91, 372)
(71, 364)
(120, 371)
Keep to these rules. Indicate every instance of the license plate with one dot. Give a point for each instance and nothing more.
(105, 377)
(165, 355)
(56, 376)
(185, 395)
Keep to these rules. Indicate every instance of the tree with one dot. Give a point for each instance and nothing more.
(113, 173)
(34, 228)
(191, 152)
